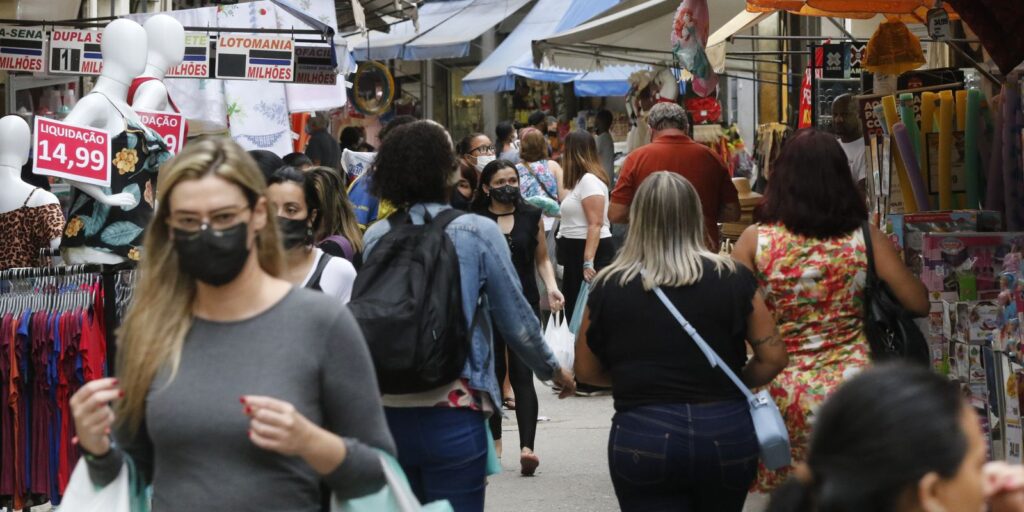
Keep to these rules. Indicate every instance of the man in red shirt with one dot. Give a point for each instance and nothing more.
(672, 150)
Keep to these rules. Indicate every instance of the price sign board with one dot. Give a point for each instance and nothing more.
(168, 125)
(196, 63)
(71, 152)
(21, 48)
(313, 65)
(75, 52)
(256, 58)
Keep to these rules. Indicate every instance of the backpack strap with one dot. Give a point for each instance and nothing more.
(314, 280)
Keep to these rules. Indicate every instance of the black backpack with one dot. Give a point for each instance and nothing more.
(407, 298)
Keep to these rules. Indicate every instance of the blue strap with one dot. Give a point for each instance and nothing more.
(709, 352)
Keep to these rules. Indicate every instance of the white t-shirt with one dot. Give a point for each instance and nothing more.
(855, 152)
(606, 152)
(337, 278)
(574, 220)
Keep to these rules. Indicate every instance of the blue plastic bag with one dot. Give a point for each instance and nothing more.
(581, 305)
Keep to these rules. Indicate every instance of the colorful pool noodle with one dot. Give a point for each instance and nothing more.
(909, 201)
(946, 126)
(909, 117)
(928, 101)
(961, 110)
(972, 112)
(1012, 181)
(880, 115)
(994, 198)
(905, 143)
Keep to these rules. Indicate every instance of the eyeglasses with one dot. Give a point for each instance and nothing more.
(485, 149)
(222, 219)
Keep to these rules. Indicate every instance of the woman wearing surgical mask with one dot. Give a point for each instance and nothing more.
(475, 152)
(213, 324)
(299, 215)
(498, 198)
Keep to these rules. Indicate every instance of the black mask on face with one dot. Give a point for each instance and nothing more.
(459, 202)
(294, 232)
(508, 194)
(211, 256)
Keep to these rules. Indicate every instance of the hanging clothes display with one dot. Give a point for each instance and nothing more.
(26, 229)
(55, 335)
(770, 137)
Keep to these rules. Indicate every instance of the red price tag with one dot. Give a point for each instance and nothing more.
(168, 125)
(71, 152)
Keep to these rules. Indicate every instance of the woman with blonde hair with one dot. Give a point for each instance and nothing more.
(212, 324)
(682, 436)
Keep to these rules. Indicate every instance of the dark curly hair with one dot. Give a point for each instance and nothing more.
(811, 190)
(414, 164)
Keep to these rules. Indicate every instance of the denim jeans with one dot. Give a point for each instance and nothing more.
(683, 457)
(443, 453)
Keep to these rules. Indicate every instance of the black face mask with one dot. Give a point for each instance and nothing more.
(294, 232)
(508, 194)
(459, 202)
(211, 256)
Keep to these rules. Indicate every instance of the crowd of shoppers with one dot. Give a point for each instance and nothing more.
(241, 244)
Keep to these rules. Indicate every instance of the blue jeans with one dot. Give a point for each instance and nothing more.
(683, 457)
(443, 453)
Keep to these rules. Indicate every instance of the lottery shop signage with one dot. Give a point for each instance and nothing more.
(75, 52)
(21, 48)
(255, 58)
(196, 63)
(168, 125)
(71, 152)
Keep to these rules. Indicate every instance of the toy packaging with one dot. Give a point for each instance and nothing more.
(906, 230)
(968, 264)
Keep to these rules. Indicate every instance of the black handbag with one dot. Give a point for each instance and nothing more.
(889, 327)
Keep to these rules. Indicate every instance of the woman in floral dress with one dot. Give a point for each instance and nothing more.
(809, 258)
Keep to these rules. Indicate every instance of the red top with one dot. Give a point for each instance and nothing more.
(693, 161)
(132, 89)
(138, 83)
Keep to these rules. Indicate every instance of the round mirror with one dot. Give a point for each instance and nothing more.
(373, 88)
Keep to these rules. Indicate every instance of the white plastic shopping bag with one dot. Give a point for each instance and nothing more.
(561, 340)
(123, 494)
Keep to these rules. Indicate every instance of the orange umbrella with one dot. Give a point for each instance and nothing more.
(904, 10)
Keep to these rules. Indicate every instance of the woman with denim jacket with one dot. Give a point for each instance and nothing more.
(682, 437)
(441, 435)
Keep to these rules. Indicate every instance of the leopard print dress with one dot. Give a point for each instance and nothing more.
(26, 230)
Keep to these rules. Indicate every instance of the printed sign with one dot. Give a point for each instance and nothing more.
(75, 52)
(196, 63)
(314, 65)
(256, 58)
(855, 54)
(21, 48)
(71, 152)
(835, 60)
(169, 125)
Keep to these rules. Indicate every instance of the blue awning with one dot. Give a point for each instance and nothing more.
(451, 38)
(377, 45)
(514, 58)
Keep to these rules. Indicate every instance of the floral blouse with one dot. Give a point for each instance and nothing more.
(137, 155)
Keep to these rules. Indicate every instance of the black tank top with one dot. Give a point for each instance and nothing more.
(522, 241)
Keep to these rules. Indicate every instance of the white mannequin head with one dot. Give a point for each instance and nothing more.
(166, 40)
(124, 50)
(15, 141)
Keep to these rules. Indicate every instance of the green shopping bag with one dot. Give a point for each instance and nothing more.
(396, 496)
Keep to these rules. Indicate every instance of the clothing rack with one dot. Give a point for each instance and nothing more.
(114, 299)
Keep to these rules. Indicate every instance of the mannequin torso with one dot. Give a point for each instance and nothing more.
(30, 218)
(124, 47)
(166, 49)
